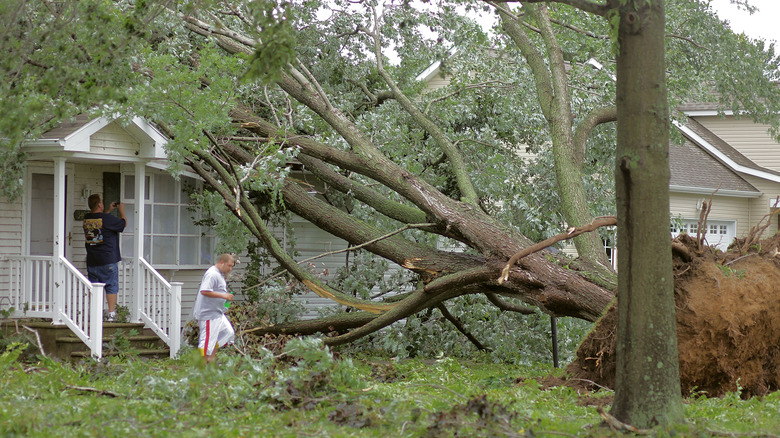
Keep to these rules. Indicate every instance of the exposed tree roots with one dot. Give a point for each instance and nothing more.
(728, 322)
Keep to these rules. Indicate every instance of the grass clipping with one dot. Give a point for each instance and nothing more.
(728, 322)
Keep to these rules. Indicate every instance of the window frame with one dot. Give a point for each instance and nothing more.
(206, 238)
(690, 226)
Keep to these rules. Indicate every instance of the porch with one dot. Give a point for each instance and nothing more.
(51, 287)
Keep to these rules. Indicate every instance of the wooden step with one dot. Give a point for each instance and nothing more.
(60, 341)
(149, 352)
(137, 339)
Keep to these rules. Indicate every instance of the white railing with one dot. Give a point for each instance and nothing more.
(27, 286)
(34, 288)
(82, 310)
(159, 306)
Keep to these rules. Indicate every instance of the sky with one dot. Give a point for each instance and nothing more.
(761, 24)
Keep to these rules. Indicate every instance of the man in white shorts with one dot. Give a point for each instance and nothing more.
(215, 329)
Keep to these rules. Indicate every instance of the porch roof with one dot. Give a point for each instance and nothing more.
(74, 139)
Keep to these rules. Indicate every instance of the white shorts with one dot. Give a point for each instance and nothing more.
(217, 331)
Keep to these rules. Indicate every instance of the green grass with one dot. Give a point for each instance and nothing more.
(306, 392)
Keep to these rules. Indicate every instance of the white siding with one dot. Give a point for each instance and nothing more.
(114, 140)
(437, 82)
(10, 227)
(751, 139)
(189, 289)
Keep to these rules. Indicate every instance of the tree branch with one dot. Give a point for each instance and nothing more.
(508, 307)
(447, 315)
(459, 169)
(594, 118)
(255, 225)
(544, 87)
(376, 200)
(572, 232)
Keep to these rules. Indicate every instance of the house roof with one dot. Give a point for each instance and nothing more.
(67, 128)
(724, 152)
(693, 170)
(698, 106)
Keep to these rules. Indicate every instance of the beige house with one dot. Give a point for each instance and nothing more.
(733, 160)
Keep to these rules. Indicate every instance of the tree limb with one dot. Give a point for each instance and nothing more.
(508, 307)
(594, 118)
(447, 315)
(572, 232)
(465, 184)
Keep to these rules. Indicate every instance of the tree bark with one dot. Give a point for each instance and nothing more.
(647, 386)
(553, 94)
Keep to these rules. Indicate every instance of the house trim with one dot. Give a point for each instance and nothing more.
(723, 158)
(708, 113)
(709, 191)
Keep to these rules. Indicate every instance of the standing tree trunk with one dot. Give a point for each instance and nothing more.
(647, 381)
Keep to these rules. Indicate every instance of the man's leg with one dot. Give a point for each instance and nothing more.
(207, 338)
(111, 299)
(112, 286)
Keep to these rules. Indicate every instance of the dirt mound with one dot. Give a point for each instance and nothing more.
(728, 323)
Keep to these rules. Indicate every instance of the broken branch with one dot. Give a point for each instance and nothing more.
(597, 223)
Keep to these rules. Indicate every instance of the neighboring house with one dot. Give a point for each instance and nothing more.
(734, 160)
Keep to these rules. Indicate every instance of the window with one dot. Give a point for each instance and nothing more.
(171, 236)
(718, 233)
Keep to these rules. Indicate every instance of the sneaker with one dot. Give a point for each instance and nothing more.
(111, 316)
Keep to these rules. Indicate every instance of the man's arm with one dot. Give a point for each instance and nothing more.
(119, 224)
(211, 294)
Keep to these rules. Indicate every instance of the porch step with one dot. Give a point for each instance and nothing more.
(160, 353)
(143, 343)
(59, 341)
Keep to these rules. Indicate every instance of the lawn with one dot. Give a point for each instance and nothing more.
(306, 391)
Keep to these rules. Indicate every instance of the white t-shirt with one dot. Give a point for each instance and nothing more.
(206, 307)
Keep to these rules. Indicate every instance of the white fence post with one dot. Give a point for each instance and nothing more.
(96, 320)
(175, 324)
(58, 284)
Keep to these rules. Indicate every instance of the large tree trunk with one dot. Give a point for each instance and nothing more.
(647, 382)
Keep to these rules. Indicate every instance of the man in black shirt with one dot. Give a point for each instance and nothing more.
(101, 230)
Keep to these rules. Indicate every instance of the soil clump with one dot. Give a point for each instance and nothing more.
(728, 322)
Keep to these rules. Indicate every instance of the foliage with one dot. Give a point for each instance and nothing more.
(310, 392)
(511, 338)
(122, 314)
(60, 59)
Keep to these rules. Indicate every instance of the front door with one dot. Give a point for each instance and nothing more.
(41, 214)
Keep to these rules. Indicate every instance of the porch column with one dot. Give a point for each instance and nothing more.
(137, 297)
(58, 250)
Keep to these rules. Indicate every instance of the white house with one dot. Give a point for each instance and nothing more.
(43, 258)
(42, 253)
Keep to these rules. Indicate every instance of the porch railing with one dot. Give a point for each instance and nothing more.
(159, 305)
(29, 287)
(82, 311)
